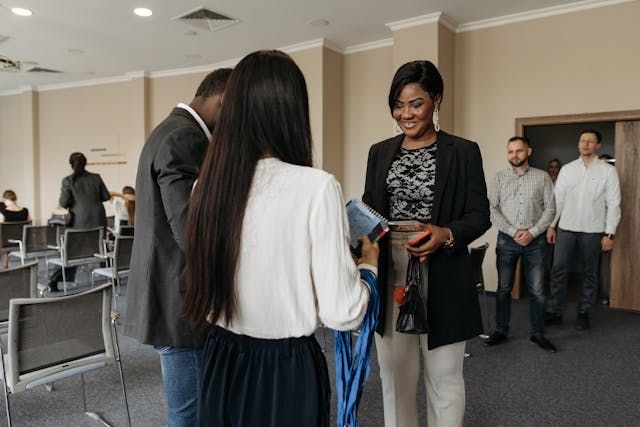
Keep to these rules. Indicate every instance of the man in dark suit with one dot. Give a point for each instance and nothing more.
(169, 165)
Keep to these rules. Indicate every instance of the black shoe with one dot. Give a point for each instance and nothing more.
(543, 343)
(495, 339)
(582, 323)
(53, 287)
(552, 319)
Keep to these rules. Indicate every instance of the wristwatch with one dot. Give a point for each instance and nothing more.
(610, 236)
(448, 244)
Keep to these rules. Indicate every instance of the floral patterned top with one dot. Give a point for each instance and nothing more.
(411, 184)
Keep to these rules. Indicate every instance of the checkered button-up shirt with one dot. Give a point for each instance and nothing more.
(522, 201)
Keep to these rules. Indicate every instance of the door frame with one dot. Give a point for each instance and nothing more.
(610, 116)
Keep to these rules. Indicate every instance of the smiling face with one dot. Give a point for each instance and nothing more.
(413, 111)
(518, 153)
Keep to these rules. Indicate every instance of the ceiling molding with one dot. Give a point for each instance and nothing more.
(137, 74)
(537, 14)
(311, 44)
(368, 46)
(449, 22)
(414, 22)
(18, 91)
(84, 83)
(207, 68)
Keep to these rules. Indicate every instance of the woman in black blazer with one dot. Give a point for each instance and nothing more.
(429, 176)
(82, 193)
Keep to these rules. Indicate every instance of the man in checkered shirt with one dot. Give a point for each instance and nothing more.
(522, 208)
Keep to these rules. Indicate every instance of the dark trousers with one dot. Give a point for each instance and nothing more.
(252, 382)
(70, 272)
(507, 254)
(568, 245)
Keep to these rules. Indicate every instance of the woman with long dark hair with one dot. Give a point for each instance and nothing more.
(432, 181)
(82, 193)
(268, 256)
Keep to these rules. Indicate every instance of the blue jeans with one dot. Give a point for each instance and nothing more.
(181, 371)
(589, 249)
(508, 252)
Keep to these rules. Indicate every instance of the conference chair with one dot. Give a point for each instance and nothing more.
(79, 247)
(56, 338)
(476, 255)
(118, 262)
(9, 233)
(36, 242)
(16, 282)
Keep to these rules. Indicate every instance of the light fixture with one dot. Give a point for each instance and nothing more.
(21, 11)
(319, 23)
(142, 11)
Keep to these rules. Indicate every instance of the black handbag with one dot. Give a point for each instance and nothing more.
(412, 318)
(68, 219)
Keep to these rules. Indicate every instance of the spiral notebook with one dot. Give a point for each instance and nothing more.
(364, 221)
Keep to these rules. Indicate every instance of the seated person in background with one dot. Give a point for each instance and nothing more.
(10, 211)
(122, 205)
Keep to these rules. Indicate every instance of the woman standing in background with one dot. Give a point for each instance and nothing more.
(435, 179)
(82, 193)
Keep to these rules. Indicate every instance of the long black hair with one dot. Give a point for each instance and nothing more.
(78, 162)
(265, 112)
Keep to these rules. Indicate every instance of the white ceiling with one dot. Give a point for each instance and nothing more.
(115, 41)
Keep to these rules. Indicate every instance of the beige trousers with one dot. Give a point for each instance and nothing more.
(398, 357)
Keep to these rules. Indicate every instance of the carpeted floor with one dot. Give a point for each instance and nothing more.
(593, 380)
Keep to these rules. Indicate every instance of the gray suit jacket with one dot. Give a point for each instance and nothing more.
(169, 164)
(84, 197)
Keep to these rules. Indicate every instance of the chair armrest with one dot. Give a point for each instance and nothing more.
(14, 241)
(57, 248)
(101, 256)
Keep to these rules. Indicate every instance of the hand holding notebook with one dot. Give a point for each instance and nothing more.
(364, 221)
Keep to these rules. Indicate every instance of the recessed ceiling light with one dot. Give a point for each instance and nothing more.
(142, 11)
(22, 12)
(319, 23)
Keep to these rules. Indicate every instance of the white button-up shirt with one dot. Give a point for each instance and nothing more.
(588, 197)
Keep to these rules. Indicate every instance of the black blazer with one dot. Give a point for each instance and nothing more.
(460, 203)
(84, 196)
(169, 164)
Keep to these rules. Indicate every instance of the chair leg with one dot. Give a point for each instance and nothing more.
(84, 394)
(6, 394)
(485, 312)
(64, 280)
(120, 370)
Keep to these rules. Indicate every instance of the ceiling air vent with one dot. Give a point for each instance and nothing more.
(42, 70)
(205, 19)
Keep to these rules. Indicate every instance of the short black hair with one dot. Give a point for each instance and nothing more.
(214, 83)
(524, 140)
(593, 131)
(422, 72)
(555, 159)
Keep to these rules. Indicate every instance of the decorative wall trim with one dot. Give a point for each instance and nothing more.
(368, 46)
(18, 91)
(84, 83)
(414, 22)
(537, 14)
(195, 70)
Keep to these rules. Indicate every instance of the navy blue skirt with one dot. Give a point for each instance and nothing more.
(261, 382)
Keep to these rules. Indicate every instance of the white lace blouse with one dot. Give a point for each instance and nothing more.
(295, 269)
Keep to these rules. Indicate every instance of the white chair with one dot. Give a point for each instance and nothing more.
(119, 262)
(55, 338)
(36, 242)
(16, 282)
(79, 247)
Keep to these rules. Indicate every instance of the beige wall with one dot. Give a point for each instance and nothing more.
(332, 113)
(310, 62)
(582, 62)
(367, 77)
(166, 92)
(81, 119)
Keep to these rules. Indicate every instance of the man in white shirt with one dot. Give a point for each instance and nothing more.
(522, 208)
(588, 212)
